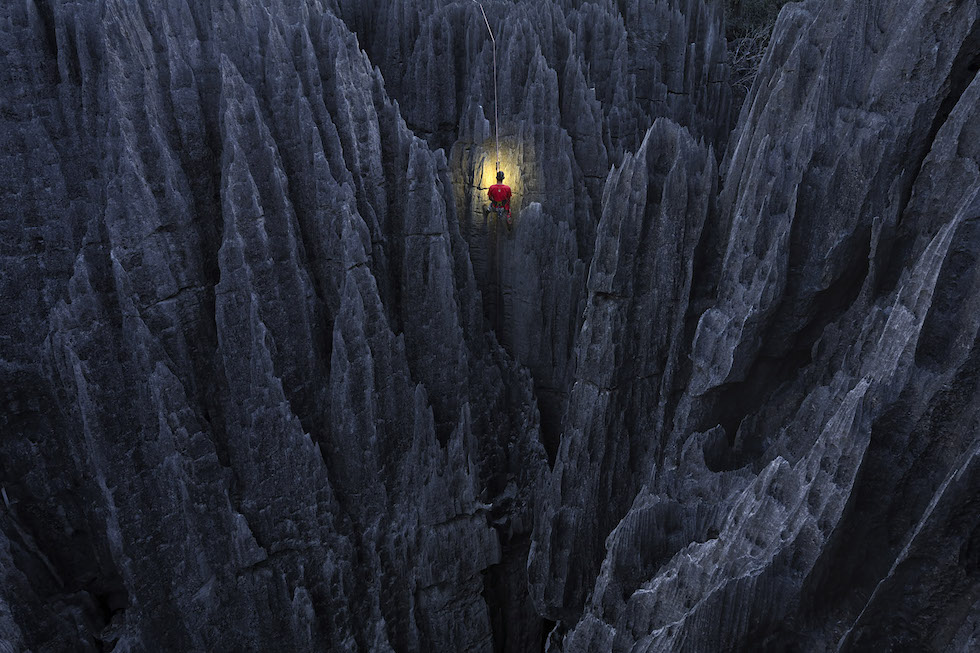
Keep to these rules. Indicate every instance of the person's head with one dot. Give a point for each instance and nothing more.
(500, 176)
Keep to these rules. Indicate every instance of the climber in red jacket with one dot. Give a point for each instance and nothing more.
(500, 195)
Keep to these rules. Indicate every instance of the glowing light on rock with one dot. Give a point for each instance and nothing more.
(486, 169)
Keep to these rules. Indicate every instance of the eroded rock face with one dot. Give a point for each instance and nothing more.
(273, 379)
(578, 84)
(250, 400)
(824, 426)
(660, 195)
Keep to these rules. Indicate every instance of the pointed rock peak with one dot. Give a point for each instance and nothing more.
(231, 79)
(425, 210)
(355, 239)
(462, 450)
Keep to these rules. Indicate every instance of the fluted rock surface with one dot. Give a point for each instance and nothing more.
(823, 436)
(250, 402)
(274, 379)
(578, 84)
(658, 197)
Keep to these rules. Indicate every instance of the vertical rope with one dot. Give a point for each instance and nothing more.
(496, 122)
(499, 294)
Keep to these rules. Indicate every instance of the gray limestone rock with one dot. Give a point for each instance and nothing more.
(824, 426)
(626, 357)
(273, 378)
(221, 396)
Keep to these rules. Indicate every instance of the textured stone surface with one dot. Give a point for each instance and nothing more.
(578, 84)
(229, 270)
(659, 196)
(271, 378)
(826, 426)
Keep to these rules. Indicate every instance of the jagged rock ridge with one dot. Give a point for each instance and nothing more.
(215, 373)
(273, 380)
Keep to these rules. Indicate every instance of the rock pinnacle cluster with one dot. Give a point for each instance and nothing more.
(272, 378)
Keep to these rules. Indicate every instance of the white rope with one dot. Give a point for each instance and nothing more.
(496, 123)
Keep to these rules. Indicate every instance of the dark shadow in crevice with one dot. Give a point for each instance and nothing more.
(894, 256)
(515, 624)
(731, 404)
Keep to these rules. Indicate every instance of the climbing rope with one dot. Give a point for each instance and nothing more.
(496, 123)
(499, 295)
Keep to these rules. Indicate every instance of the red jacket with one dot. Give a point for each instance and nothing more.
(500, 194)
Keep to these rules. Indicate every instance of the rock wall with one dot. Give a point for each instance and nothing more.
(250, 402)
(273, 379)
(578, 84)
(824, 426)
